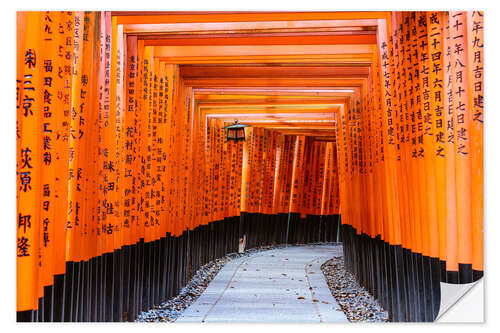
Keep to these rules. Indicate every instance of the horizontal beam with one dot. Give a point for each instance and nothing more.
(273, 71)
(201, 17)
(260, 50)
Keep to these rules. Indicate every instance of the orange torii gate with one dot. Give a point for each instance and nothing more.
(126, 183)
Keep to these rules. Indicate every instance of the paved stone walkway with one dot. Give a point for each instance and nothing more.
(277, 286)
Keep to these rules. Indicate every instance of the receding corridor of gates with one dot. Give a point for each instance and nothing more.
(364, 128)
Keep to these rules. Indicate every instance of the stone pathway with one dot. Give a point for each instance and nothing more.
(277, 286)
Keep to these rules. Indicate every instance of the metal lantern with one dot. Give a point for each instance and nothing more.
(236, 131)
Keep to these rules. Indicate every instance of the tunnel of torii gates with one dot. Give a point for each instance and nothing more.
(126, 183)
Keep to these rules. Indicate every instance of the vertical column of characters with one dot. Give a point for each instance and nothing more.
(372, 162)
(278, 172)
(100, 72)
(173, 152)
(94, 140)
(199, 162)
(328, 185)
(333, 180)
(139, 141)
(193, 162)
(155, 160)
(397, 57)
(402, 115)
(145, 140)
(117, 102)
(245, 170)
(48, 59)
(239, 168)
(236, 176)
(435, 45)
(412, 70)
(321, 175)
(130, 147)
(86, 134)
(76, 147)
(169, 81)
(289, 149)
(273, 171)
(305, 198)
(190, 158)
(449, 152)
(108, 166)
(178, 102)
(222, 170)
(341, 142)
(253, 165)
(228, 161)
(162, 157)
(197, 175)
(278, 150)
(264, 160)
(354, 157)
(376, 146)
(335, 183)
(420, 151)
(183, 177)
(151, 158)
(359, 166)
(259, 170)
(325, 180)
(387, 71)
(317, 171)
(431, 231)
(269, 180)
(462, 125)
(29, 158)
(411, 65)
(314, 188)
(381, 185)
(297, 175)
(287, 187)
(366, 108)
(363, 156)
(349, 180)
(281, 173)
(160, 137)
(475, 31)
(267, 161)
(216, 169)
(167, 121)
(208, 169)
(219, 172)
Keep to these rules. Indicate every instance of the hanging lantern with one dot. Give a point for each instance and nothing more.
(236, 131)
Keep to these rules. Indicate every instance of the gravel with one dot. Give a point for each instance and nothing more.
(357, 304)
